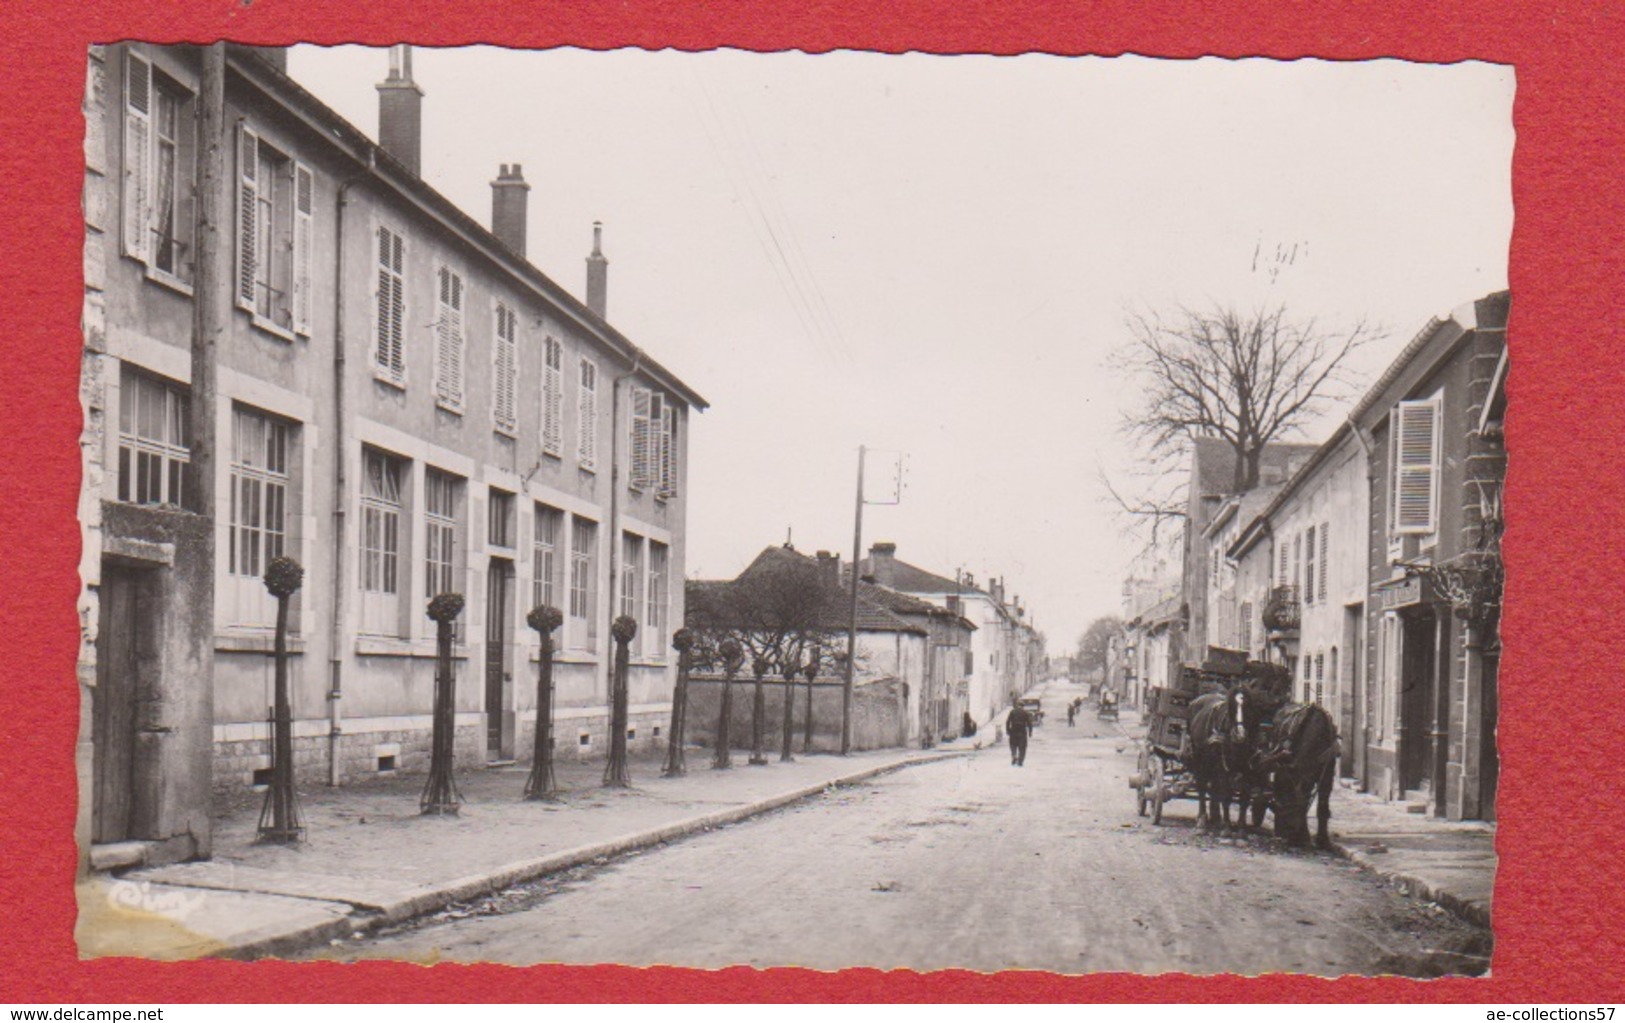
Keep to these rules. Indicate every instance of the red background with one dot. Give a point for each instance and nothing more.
(1558, 892)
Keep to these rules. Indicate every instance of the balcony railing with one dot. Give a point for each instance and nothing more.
(1282, 612)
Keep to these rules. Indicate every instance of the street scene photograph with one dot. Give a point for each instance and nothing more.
(1009, 513)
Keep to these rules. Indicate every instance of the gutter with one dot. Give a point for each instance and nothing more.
(335, 691)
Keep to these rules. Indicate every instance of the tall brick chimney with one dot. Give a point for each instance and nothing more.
(400, 111)
(829, 567)
(883, 563)
(598, 273)
(510, 202)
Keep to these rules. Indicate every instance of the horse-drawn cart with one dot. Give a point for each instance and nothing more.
(1159, 774)
(1106, 710)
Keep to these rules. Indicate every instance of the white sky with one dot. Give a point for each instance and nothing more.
(934, 255)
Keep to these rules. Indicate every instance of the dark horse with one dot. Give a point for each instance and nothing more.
(1302, 755)
(1217, 752)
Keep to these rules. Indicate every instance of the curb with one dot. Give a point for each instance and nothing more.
(432, 898)
(1468, 910)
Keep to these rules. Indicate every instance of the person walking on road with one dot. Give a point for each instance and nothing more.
(1017, 725)
(1071, 715)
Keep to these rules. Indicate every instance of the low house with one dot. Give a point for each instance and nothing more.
(793, 612)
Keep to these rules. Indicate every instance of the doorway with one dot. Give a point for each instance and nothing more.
(121, 652)
(498, 674)
(1416, 699)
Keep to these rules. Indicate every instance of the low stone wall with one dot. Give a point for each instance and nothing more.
(365, 755)
(878, 710)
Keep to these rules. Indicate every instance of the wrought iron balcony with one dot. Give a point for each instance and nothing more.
(1282, 612)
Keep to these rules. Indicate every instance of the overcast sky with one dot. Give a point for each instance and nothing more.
(935, 256)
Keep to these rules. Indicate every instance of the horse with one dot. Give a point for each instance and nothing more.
(1302, 758)
(1216, 751)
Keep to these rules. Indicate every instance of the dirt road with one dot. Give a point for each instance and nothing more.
(970, 863)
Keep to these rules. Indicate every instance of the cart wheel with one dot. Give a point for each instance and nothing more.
(1142, 801)
(1157, 794)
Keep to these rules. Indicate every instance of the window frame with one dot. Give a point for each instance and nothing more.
(450, 339)
(171, 452)
(587, 414)
(270, 229)
(582, 592)
(389, 306)
(252, 605)
(504, 372)
(545, 555)
(552, 397)
(141, 158)
(384, 561)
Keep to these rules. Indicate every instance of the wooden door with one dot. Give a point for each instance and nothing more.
(114, 705)
(499, 582)
(1416, 700)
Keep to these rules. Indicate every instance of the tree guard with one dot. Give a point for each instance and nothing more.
(732, 657)
(683, 642)
(542, 784)
(615, 772)
(759, 668)
(440, 795)
(280, 818)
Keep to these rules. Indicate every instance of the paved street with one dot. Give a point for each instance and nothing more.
(971, 863)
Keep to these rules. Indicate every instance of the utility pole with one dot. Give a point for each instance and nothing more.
(852, 616)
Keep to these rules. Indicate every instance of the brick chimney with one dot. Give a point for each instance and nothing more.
(883, 563)
(829, 568)
(598, 273)
(400, 111)
(510, 203)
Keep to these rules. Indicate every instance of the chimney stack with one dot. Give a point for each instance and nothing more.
(883, 563)
(598, 274)
(829, 566)
(510, 202)
(400, 111)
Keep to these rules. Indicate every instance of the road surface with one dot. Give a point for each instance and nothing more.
(970, 863)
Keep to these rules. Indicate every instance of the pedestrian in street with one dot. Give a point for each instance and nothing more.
(1017, 725)
(1071, 715)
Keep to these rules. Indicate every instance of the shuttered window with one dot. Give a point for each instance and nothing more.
(668, 450)
(1325, 546)
(448, 340)
(587, 423)
(156, 215)
(268, 232)
(583, 583)
(505, 355)
(1247, 625)
(1309, 567)
(304, 215)
(644, 441)
(1281, 578)
(1416, 466)
(390, 357)
(553, 397)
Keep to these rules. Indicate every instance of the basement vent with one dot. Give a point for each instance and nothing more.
(631, 733)
(386, 764)
(585, 740)
(657, 731)
(262, 777)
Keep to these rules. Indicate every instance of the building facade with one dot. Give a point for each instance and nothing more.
(363, 378)
(1432, 424)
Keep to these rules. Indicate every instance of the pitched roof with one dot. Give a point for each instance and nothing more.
(1213, 472)
(906, 578)
(877, 611)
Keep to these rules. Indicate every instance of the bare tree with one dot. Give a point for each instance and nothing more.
(1094, 646)
(1248, 379)
(782, 613)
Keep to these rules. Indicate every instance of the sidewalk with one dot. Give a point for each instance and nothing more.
(1448, 862)
(372, 860)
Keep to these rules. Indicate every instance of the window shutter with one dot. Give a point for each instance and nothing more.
(641, 435)
(1416, 466)
(507, 368)
(449, 341)
(553, 399)
(304, 200)
(1309, 567)
(391, 305)
(1281, 576)
(587, 440)
(248, 208)
(668, 451)
(137, 156)
(1325, 542)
